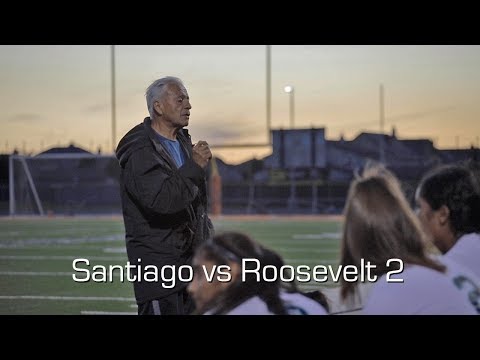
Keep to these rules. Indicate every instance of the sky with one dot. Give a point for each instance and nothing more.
(56, 95)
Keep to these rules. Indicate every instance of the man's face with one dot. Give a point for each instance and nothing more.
(174, 106)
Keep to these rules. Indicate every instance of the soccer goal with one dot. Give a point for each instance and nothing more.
(64, 184)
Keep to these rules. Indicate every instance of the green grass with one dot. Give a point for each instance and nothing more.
(36, 259)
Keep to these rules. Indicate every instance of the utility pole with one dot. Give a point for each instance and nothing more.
(382, 123)
(114, 130)
(269, 94)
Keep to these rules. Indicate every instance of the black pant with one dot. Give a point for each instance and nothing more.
(179, 303)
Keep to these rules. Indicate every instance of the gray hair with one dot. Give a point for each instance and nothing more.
(156, 90)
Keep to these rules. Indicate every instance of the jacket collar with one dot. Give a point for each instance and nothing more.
(182, 136)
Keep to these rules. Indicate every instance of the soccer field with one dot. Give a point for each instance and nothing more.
(36, 258)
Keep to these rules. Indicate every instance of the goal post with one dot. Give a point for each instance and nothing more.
(66, 184)
(22, 188)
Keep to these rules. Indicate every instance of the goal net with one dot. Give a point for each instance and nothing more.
(66, 184)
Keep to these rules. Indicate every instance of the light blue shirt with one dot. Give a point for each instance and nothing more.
(174, 149)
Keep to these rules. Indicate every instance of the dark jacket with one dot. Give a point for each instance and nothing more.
(164, 207)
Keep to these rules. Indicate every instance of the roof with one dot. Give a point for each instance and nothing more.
(71, 149)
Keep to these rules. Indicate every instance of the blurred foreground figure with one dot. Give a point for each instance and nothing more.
(380, 226)
(251, 296)
(448, 201)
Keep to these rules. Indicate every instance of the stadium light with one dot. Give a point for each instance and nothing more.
(290, 90)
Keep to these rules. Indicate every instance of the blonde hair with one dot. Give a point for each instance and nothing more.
(380, 225)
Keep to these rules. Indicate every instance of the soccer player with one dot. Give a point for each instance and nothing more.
(380, 227)
(243, 293)
(448, 203)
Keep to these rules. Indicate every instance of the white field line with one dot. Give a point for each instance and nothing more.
(65, 298)
(323, 242)
(35, 273)
(85, 312)
(117, 274)
(304, 245)
(290, 242)
(14, 244)
(309, 250)
(321, 236)
(59, 257)
(312, 261)
(46, 273)
(62, 230)
(121, 250)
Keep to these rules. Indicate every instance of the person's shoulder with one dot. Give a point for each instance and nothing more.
(456, 269)
(140, 153)
(467, 243)
(466, 252)
(415, 281)
(143, 149)
(132, 141)
(251, 306)
(302, 304)
(418, 275)
(141, 158)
